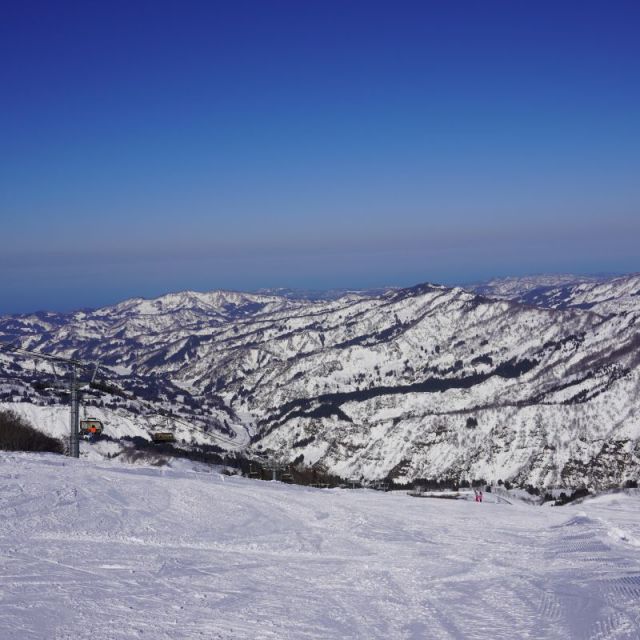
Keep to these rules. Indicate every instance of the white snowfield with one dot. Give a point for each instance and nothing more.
(107, 551)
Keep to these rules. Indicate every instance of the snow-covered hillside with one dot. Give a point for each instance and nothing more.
(427, 381)
(514, 287)
(603, 295)
(102, 551)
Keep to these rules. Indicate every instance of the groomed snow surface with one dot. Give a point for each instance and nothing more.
(101, 550)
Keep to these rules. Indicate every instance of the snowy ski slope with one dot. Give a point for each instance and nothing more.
(104, 551)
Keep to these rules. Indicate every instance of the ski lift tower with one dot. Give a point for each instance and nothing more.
(74, 437)
(74, 388)
(275, 465)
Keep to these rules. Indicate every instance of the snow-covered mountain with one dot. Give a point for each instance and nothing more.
(604, 295)
(514, 287)
(427, 381)
(314, 295)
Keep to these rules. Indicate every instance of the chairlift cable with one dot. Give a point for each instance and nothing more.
(12, 348)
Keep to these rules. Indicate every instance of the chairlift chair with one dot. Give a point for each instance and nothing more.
(160, 437)
(91, 427)
(164, 433)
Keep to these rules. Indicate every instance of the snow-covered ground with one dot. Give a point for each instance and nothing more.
(100, 550)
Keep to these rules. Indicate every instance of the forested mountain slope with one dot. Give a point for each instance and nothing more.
(427, 381)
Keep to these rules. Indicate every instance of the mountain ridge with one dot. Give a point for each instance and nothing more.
(424, 381)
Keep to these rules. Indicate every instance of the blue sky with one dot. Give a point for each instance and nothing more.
(157, 146)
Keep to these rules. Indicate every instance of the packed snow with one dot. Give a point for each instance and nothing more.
(102, 550)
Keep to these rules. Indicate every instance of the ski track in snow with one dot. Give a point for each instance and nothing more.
(106, 551)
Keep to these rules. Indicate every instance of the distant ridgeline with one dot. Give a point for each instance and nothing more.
(530, 381)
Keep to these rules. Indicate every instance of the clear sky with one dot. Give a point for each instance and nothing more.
(156, 146)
